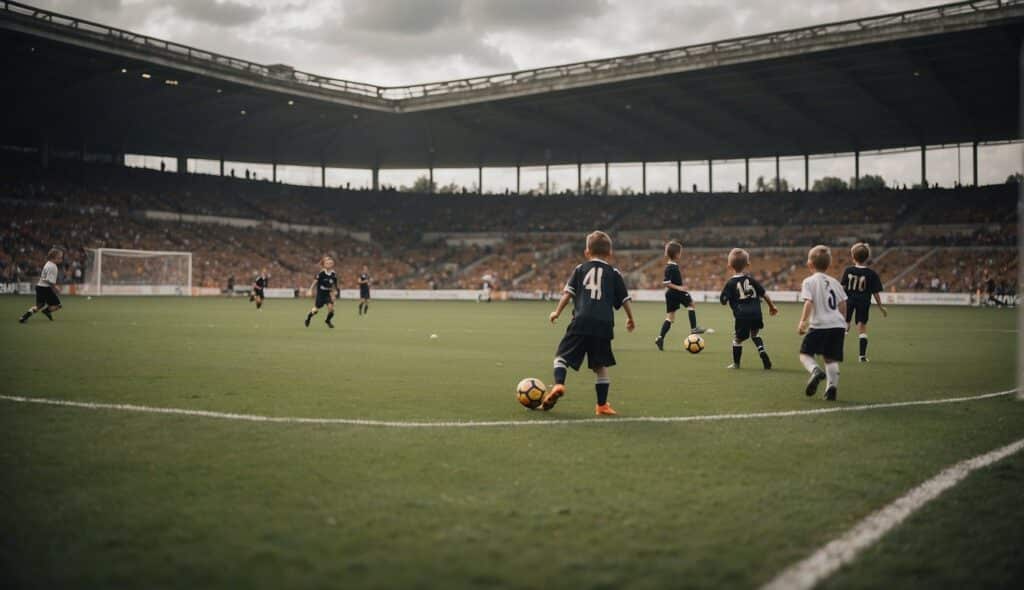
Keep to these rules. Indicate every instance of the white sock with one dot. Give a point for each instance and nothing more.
(808, 362)
(832, 372)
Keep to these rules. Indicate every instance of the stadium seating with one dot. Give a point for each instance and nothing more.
(933, 239)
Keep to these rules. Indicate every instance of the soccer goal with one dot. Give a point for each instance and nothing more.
(112, 271)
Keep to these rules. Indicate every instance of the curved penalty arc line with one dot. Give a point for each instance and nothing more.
(491, 423)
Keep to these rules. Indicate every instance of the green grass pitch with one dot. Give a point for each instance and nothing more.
(102, 498)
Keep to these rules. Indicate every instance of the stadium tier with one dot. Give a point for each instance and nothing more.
(926, 240)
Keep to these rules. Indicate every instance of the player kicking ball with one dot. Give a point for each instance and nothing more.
(597, 290)
(47, 300)
(326, 288)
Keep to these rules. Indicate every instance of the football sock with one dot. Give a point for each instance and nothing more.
(259, 304)
(310, 315)
(366, 308)
(601, 387)
(832, 372)
(560, 373)
(759, 343)
(47, 313)
(808, 362)
(737, 352)
(863, 344)
(330, 316)
(665, 327)
(693, 318)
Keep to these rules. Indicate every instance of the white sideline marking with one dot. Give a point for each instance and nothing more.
(806, 574)
(494, 423)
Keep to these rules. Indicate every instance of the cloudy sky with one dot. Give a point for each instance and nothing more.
(396, 42)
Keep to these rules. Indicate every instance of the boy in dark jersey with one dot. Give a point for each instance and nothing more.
(744, 294)
(597, 290)
(364, 291)
(860, 284)
(675, 295)
(257, 288)
(326, 286)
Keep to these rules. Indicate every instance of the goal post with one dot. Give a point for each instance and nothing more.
(116, 271)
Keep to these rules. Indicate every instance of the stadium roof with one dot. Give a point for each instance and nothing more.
(938, 75)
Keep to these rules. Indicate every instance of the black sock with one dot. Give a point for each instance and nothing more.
(366, 308)
(863, 345)
(665, 327)
(560, 375)
(310, 315)
(737, 352)
(259, 304)
(330, 315)
(693, 318)
(602, 392)
(759, 343)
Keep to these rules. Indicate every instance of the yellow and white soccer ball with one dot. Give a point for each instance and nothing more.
(693, 343)
(529, 392)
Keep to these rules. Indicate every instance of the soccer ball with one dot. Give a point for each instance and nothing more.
(529, 392)
(693, 343)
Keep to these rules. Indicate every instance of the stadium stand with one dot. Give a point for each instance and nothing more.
(925, 240)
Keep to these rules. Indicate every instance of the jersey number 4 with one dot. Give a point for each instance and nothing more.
(592, 282)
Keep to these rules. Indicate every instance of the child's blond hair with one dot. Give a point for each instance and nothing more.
(820, 258)
(860, 252)
(739, 259)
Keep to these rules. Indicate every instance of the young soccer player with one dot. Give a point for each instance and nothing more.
(47, 300)
(326, 285)
(364, 291)
(744, 294)
(822, 323)
(597, 290)
(261, 282)
(675, 295)
(860, 284)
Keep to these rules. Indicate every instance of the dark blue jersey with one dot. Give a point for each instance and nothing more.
(261, 282)
(364, 279)
(673, 276)
(326, 280)
(597, 290)
(743, 294)
(860, 283)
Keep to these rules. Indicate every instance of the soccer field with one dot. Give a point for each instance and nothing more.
(116, 498)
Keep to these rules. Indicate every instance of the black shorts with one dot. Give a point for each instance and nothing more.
(364, 291)
(857, 310)
(46, 296)
(258, 292)
(574, 347)
(322, 298)
(676, 299)
(744, 326)
(827, 342)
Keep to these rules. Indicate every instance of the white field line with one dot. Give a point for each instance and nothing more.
(493, 423)
(806, 574)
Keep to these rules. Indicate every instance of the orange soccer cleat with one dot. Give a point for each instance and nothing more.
(605, 410)
(551, 398)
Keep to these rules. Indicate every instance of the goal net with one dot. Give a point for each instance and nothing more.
(112, 271)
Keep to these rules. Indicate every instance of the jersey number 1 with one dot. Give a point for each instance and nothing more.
(592, 282)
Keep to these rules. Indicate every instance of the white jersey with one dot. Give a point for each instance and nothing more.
(825, 293)
(48, 277)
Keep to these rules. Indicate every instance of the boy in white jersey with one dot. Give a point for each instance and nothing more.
(47, 300)
(822, 323)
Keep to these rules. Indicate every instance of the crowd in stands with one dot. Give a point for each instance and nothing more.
(925, 240)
